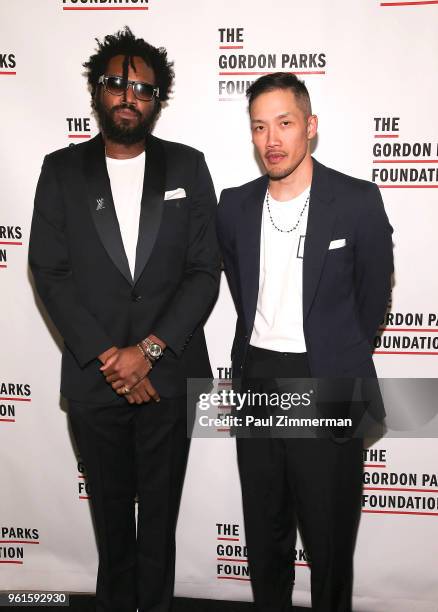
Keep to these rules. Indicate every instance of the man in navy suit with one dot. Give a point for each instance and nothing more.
(308, 257)
(124, 255)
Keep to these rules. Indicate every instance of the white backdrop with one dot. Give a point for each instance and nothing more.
(371, 70)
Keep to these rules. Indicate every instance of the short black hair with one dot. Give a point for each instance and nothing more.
(125, 43)
(281, 80)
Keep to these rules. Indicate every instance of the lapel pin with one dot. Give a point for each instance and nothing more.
(100, 203)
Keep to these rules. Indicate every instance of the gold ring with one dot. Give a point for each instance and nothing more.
(126, 390)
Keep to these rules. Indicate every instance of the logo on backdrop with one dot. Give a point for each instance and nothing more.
(78, 129)
(83, 486)
(408, 333)
(10, 238)
(392, 492)
(232, 554)
(15, 543)
(8, 63)
(238, 68)
(13, 396)
(401, 164)
(102, 5)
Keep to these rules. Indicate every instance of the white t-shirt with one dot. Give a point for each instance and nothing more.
(278, 324)
(126, 178)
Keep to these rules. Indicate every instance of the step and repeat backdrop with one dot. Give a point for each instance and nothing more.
(371, 68)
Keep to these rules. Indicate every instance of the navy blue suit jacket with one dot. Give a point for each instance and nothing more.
(345, 290)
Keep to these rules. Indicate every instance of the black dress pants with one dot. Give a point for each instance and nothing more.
(131, 450)
(315, 483)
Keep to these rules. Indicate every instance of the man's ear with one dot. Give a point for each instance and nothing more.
(312, 126)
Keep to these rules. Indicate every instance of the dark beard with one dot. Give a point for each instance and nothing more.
(122, 132)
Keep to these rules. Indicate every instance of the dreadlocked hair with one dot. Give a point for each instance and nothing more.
(125, 43)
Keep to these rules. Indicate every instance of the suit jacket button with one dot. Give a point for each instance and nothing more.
(135, 297)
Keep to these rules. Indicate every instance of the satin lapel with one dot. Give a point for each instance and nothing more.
(151, 203)
(320, 223)
(248, 246)
(101, 205)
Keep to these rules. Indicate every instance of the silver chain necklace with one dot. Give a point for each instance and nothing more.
(292, 229)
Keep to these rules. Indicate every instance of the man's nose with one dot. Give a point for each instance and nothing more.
(272, 137)
(129, 96)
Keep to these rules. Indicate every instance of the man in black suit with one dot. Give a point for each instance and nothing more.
(308, 257)
(124, 255)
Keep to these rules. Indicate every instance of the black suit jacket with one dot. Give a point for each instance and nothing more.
(82, 274)
(345, 290)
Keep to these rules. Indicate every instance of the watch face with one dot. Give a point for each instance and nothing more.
(155, 350)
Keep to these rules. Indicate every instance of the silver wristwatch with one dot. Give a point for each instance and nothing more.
(152, 349)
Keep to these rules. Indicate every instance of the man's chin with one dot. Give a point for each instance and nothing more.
(126, 138)
(125, 133)
(126, 123)
(276, 174)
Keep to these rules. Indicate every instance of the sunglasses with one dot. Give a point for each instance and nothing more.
(117, 85)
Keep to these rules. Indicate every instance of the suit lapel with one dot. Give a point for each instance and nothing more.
(320, 223)
(101, 205)
(249, 248)
(151, 203)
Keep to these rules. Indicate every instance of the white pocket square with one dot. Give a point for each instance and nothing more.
(173, 194)
(337, 244)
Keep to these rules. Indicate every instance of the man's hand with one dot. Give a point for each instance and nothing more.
(125, 368)
(106, 354)
(142, 392)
